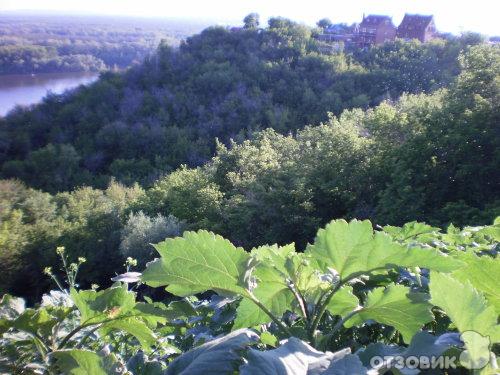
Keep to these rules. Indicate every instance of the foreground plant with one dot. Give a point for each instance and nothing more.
(70, 326)
(357, 301)
(347, 278)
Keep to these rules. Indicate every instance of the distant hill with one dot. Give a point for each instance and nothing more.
(222, 83)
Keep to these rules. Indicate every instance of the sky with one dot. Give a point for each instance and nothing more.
(450, 15)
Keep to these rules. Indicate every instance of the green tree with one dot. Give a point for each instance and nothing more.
(140, 231)
(188, 194)
(324, 23)
(454, 159)
(251, 21)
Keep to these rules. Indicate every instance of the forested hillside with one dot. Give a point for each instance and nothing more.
(221, 83)
(404, 131)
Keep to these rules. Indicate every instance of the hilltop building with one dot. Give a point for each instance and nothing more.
(375, 29)
(378, 29)
(415, 26)
(339, 33)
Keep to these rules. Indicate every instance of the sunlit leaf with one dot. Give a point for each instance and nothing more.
(198, 261)
(483, 273)
(291, 358)
(343, 302)
(353, 249)
(98, 306)
(392, 306)
(134, 327)
(83, 362)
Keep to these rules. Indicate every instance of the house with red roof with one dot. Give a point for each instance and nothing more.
(416, 26)
(378, 29)
(375, 29)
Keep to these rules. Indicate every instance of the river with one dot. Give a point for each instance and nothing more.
(28, 89)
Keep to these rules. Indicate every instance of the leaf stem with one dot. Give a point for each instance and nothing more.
(341, 322)
(322, 308)
(278, 322)
(324, 305)
(85, 325)
(86, 337)
(301, 300)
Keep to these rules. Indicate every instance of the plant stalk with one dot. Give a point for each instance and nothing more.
(278, 322)
(322, 308)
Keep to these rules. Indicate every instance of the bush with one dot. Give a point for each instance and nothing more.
(141, 231)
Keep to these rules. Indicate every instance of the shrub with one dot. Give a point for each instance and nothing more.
(141, 231)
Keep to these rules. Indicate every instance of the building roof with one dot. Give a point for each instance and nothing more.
(376, 20)
(415, 22)
(339, 29)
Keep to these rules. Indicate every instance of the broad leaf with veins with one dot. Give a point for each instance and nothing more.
(482, 273)
(354, 249)
(343, 302)
(469, 311)
(219, 356)
(197, 262)
(84, 362)
(392, 306)
(272, 292)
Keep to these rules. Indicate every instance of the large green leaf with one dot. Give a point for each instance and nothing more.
(318, 367)
(482, 273)
(37, 322)
(154, 313)
(95, 306)
(83, 362)
(304, 273)
(197, 262)
(82, 300)
(343, 302)
(272, 277)
(275, 255)
(410, 230)
(466, 306)
(470, 312)
(392, 306)
(155, 272)
(349, 365)
(140, 364)
(272, 292)
(354, 248)
(295, 357)
(492, 231)
(134, 327)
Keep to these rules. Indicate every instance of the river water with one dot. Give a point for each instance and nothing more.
(28, 89)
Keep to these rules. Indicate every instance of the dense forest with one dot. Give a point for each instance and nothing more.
(53, 44)
(216, 135)
(222, 83)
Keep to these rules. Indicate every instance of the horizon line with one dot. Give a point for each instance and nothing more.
(202, 20)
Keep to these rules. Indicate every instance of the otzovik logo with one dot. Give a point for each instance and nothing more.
(479, 356)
